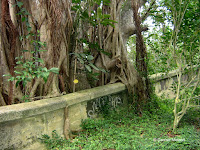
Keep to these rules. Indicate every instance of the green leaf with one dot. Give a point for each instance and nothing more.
(93, 66)
(88, 68)
(106, 2)
(17, 72)
(42, 50)
(103, 70)
(17, 83)
(76, 54)
(106, 16)
(81, 60)
(96, 74)
(11, 79)
(85, 14)
(90, 57)
(54, 70)
(45, 69)
(40, 60)
(24, 83)
(41, 43)
(19, 4)
(83, 55)
(23, 19)
(21, 38)
(24, 50)
(6, 75)
(45, 76)
(19, 62)
(29, 28)
(76, 1)
(27, 36)
(99, 13)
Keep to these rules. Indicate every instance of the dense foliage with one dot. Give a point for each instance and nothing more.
(173, 44)
(125, 130)
(173, 24)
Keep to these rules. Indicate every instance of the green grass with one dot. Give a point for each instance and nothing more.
(125, 130)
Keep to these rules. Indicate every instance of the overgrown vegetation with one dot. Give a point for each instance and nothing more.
(173, 44)
(124, 129)
(29, 68)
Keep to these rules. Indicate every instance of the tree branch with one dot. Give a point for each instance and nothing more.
(144, 17)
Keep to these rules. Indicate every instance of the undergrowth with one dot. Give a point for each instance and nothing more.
(125, 130)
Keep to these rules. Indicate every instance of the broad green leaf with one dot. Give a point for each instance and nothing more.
(29, 28)
(81, 60)
(85, 14)
(42, 50)
(19, 4)
(11, 79)
(54, 70)
(27, 36)
(40, 61)
(76, 1)
(6, 75)
(20, 38)
(93, 66)
(106, 16)
(88, 68)
(17, 83)
(45, 69)
(76, 54)
(25, 50)
(45, 76)
(103, 70)
(106, 2)
(96, 74)
(82, 55)
(19, 62)
(23, 19)
(99, 13)
(41, 43)
(90, 57)
(17, 72)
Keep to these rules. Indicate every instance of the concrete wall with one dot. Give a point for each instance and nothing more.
(22, 124)
(163, 82)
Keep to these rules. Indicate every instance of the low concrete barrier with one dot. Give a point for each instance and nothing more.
(163, 82)
(22, 124)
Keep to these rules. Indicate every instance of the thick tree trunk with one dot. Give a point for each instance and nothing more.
(9, 34)
(142, 87)
(53, 18)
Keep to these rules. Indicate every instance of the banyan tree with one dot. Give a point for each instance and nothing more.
(62, 42)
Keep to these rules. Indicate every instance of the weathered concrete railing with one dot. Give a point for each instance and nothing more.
(22, 124)
(163, 82)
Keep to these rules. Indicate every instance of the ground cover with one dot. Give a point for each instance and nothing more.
(126, 130)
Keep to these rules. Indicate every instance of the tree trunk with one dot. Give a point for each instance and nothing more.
(142, 87)
(53, 18)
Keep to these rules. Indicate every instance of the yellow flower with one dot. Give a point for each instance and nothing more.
(75, 81)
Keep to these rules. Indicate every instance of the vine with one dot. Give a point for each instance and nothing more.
(26, 69)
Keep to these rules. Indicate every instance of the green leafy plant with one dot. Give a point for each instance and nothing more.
(28, 69)
(126, 130)
(55, 141)
(96, 19)
(173, 44)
